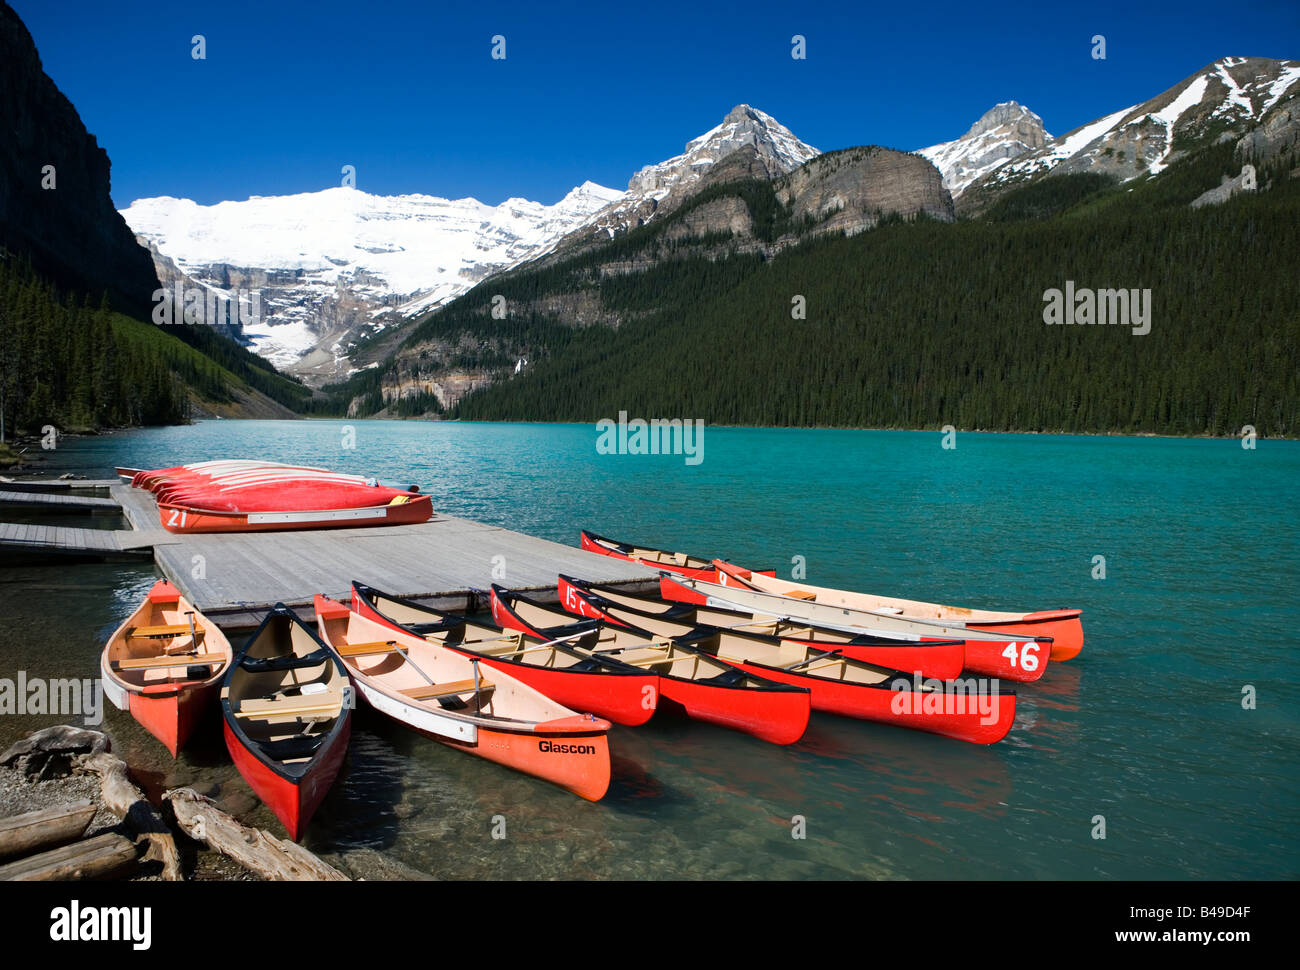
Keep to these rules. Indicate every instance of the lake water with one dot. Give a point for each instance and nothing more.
(1147, 727)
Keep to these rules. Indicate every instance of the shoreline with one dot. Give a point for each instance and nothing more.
(104, 432)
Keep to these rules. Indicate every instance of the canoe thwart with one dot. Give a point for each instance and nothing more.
(442, 690)
(171, 660)
(367, 649)
(155, 632)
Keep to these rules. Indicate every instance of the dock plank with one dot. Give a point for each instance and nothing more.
(55, 502)
(56, 484)
(24, 537)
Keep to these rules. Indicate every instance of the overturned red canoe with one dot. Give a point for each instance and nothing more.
(255, 496)
(401, 511)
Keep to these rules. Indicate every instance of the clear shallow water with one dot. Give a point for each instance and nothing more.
(1146, 727)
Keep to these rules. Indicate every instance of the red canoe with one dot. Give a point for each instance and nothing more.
(990, 654)
(965, 710)
(604, 687)
(1064, 627)
(287, 705)
(444, 695)
(676, 562)
(255, 496)
(163, 665)
(690, 679)
(231, 493)
(940, 659)
(188, 519)
(153, 479)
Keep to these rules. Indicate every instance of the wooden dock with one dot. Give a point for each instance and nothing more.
(448, 562)
(56, 502)
(55, 484)
(86, 543)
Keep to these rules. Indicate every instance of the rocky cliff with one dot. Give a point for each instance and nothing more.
(70, 230)
(848, 191)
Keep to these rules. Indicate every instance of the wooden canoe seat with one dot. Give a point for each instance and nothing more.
(327, 706)
(368, 649)
(153, 632)
(172, 660)
(801, 594)
(442, 690)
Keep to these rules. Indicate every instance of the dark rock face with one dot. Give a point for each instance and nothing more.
(848, 191)
(72, 233)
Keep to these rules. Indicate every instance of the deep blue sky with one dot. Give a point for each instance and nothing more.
(405, 90)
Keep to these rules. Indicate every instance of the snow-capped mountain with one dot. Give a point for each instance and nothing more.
(1221, 100)
(1006, 131)
(334, 265)
(337, 265)
(658, 187)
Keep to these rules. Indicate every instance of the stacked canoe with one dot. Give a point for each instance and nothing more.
(259, 496)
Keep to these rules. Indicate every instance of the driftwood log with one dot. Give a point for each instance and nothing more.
(44, 828)
(128, 803)
(104, 855)
(56, 750)
(49, 752)
(252, 848)
(88, 752)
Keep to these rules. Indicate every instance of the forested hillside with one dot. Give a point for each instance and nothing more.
(73, 363)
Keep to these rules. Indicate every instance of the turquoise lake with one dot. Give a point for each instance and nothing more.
(1147, 727)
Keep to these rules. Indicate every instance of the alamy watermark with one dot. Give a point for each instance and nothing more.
(658, 436)
(926, 695)
(65, 697)
(1084, 306)
(206, 305)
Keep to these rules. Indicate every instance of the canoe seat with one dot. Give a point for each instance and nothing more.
(259, 665)
(287, 749)
(155, 632)
(442, 690)
(171, 660)
(367, 649)
(801, 594)
(327, 706)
